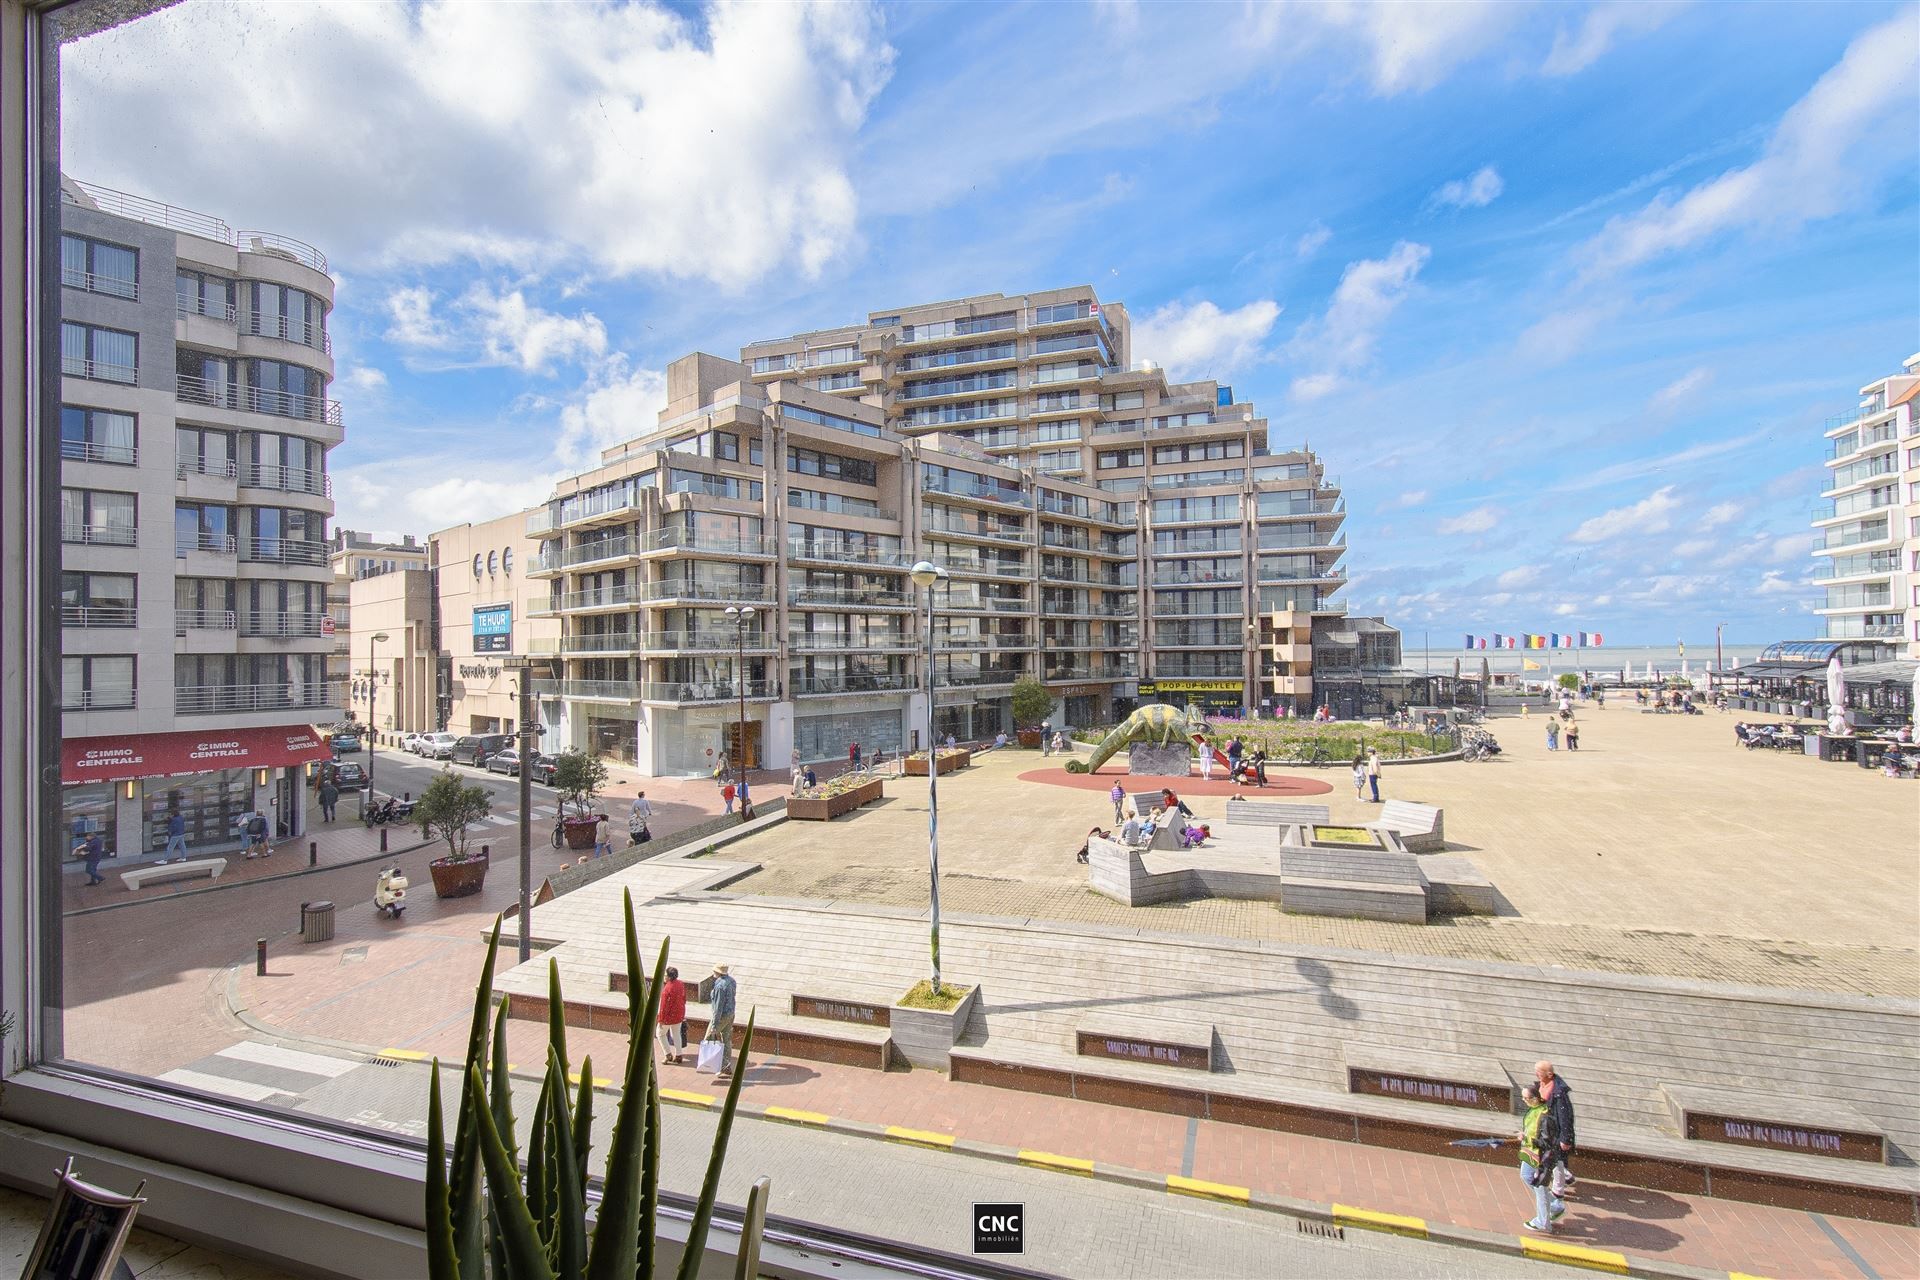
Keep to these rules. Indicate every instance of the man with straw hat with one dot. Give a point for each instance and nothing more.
(720, 1005)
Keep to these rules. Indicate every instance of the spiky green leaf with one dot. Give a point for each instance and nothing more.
(569, 1201)
(466, 1195)
(556, 1015)
(710, 1188)
(583, 1117)
(634, 1143)
(525, 1257)
(443, 1263)
(540, 1167)
(500, 1087)
(650, 1182)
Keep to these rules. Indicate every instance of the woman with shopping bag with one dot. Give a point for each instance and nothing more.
(716, 1047)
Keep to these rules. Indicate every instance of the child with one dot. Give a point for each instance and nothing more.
(726, 793)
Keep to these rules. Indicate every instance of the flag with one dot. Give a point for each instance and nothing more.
(1536, 642)
(1583, 639)
(1093, 310)
(1512, 642)
(1559, 641)
(1468, 643)
(1499, 641)
(1529, 664)
(1596, 640)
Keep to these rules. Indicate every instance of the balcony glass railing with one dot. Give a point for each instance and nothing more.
(990, 568)
(847, 597)
(837, 642)
(601, 690)
(985, 492)
(845, 553)
(697, 589)
(713, 640)
(605, 642)
(981, 530)
(209, 699)
(976, 679)
(601, 597)
(98, 615)
(707, 690)
(818, 686)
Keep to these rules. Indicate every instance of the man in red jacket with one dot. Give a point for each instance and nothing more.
(673, 1017)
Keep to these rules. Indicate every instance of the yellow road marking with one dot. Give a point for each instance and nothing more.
(410, 1055)
(1741, 1275)
(798, 1117)
(599, 1082)
(690, 1099)
(1397, 1224)
(1211, 1190)
(1065, 1164)
(1574, 1255)
(920, 1136)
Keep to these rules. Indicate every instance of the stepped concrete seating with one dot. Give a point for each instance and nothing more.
(1455, 887)
(1808, 1125)
(1179, 1043)
(193, 869)
(1421, 827)
(1356, 883)
(1274, 814)
(1440, 1079)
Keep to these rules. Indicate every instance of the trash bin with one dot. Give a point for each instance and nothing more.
(1810, 745)
(316, 921)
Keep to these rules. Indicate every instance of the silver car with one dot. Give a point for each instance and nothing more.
(436, 746)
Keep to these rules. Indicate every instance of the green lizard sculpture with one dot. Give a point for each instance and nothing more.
(1156, 723)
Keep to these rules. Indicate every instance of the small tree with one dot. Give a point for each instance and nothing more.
(447, 808)
(1569, 680)
(1031, 701)
(578, 778)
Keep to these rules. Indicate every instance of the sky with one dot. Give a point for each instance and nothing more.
(1563, 294)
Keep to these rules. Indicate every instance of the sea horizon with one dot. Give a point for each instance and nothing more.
(1666, 658)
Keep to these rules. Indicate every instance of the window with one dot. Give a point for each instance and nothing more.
(91, 517)
(493, 562)
(1060, 312)
(773, 364)
(958, 328)
(801, 413)
(282, 311)
(1173, 420)
(96, 682)
(195, 293)
(1223, 507)
(994, 380)
(204, 451)
(832, 355)
(506, 563)
(831, 466)
(96, 599)
(288, 390)
(978, 354)
(1198, 451)
(98, 267)
(1114, 459)
(1057, 460)
(965, 411)
(202, 527)
(1124, 400)
(96, 435)
(105, 355)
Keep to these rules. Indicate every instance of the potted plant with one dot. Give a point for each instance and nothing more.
(445, 810)
(834, 797)
(926, 1024)
(483, 1216)
(578, 778)
(1031, 703)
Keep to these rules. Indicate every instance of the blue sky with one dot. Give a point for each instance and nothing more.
(1562, 293)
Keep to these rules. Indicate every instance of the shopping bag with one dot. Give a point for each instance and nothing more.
(709, 1061)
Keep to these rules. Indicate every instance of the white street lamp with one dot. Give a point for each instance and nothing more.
(926, 575)
(741, 617)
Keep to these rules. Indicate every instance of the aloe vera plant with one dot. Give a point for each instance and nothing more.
(488, 1221)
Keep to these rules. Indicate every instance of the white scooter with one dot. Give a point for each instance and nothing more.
(390, 893)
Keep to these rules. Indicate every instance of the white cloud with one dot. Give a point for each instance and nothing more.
(1413, 46)
(1809, 169)
(1577, 50)
(1561, 335)
(1722, 513)
(625, 135)
(1342, 340)
(1475, 192)
(1682, 388)
(1413, 497)
(1774, 583)
(1520, 577)
(1565, 610)
(362, 378)
(1652, 514)
(1478, 520)
(617, 403)
(373, 495)
(1201, 340)
(485, 326)
(1312, 241)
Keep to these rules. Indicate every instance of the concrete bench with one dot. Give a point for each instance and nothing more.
(1455, 887)
(774, 1034)
(158, 874)
(1421, 827)
(1270, 814)
(1801, 1126)
(1441, 1079)
(1147, 1041)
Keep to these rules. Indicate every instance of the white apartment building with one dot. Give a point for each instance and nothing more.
(1868, 520)
(194, 499)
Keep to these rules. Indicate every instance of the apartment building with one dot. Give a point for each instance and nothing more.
(392, 666)
(486, 615)
(1868, 520)
(194, 432)
(354, 556)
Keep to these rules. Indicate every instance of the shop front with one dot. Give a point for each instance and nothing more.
(128, 787)
(1211, 697)
(825, 732)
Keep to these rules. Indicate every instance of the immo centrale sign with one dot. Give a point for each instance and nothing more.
(493, 628)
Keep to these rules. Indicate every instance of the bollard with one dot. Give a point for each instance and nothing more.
(260, 956)
(407, 796)
(486, 851)
(313, 853)
(383, 839)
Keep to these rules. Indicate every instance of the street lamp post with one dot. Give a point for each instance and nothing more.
(741, 617)
(378, 637)
(1718, 665)
(529, 738)
(927, 575)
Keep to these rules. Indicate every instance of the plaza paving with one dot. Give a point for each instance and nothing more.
(1661, 847)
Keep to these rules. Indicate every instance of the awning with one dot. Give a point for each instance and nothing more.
(154, 755)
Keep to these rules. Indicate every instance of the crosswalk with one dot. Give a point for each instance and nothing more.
(255, 1071)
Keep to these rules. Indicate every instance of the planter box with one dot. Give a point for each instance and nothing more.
(950, 761)
(1030, 738)
(458, 879)
(825, 808)
(579, 832)
(925, 1037)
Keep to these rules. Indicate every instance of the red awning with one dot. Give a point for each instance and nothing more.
(153, 755)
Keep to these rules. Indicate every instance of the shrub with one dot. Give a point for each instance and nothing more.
(578, 778)
(1031, 702)
(447, 808)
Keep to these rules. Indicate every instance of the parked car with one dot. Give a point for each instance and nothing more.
(478, 748)
(543, 768)
(344, 742)
(350, 776)
(436, 746)
(411, 742)
(507, 762)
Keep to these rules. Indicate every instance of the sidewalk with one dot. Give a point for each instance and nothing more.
(413, 994)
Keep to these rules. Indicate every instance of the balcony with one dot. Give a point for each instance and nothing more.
(91, 282)
(89, 616)
(1228, 577)
(975, 492)
(203, 542)
(605, 551)
(1009, 535)
(623, 596)
(122, 455)
(1301, 510)
(286, 329)
(976, 679)
(185, 620)
(694, 591)
(985, 604)
(716, 641)
(112, 697)
(283, 626)
(213, 468)
(542, 521)
(220, 394)
(847, 598)
(578, 646)
(828, 552)
(98, 370)
(983, 568)
(184, 306)
(690, 692)
(1087, 675)
(596, 508)
(600, 690)
(681, 540)
(99, 535)
(841, 686)
(286, 479)
(286, 551)
(838, 642)
(992, 640)
(212, 699)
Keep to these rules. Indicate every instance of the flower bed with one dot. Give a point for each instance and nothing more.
(1292, 741)
(824, 803)
(950, 760)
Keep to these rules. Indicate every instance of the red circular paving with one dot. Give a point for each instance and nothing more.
(1278, 784)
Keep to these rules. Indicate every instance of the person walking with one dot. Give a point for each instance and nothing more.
(176, 850)
(602, 837)
(1535, 1167)
(638, 817)
(1206, 761)
(94, 848)
(1558, 1140)
(329, 798)
(726, 794)
(1233, 758)
(745, 797)
(673, 1017)
(1553, 735)
(1119, 797)
(1359, 776)
(721, 1000)
(1373, 772)
(1258, 767)
(257, 836)
(1572, 733)
(853, 757)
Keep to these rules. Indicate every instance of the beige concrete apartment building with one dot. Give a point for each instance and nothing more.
(1868, 520)
(484, 619)
(195, 427)
(391, 664)
(354, 555)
